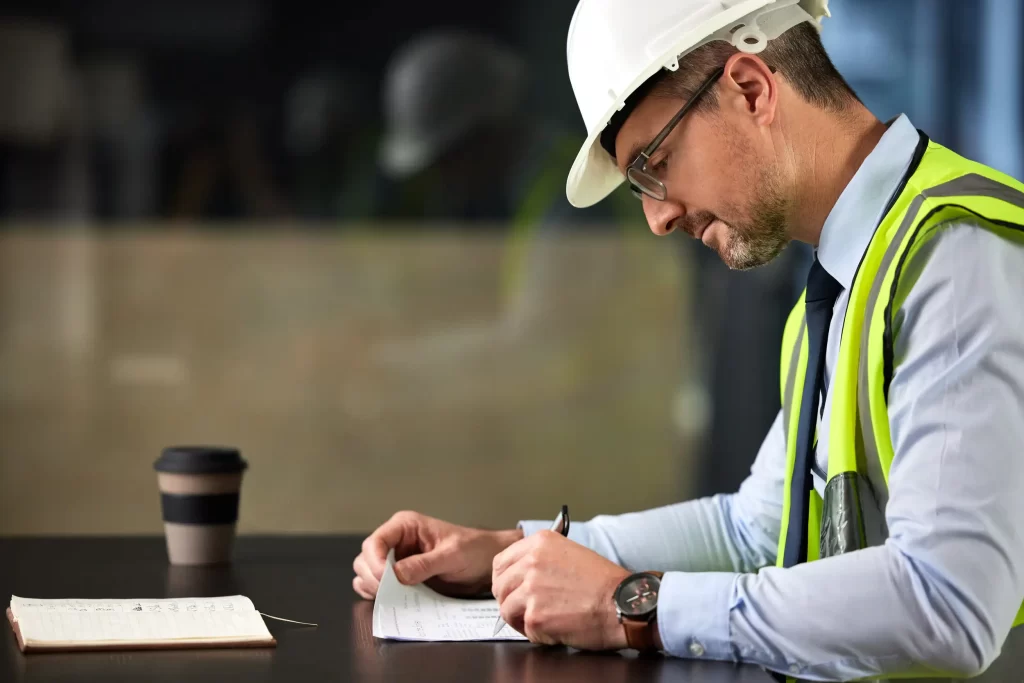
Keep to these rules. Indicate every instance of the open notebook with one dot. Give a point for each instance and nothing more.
(50, 625)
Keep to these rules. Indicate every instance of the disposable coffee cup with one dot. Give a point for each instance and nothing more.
(199, 489)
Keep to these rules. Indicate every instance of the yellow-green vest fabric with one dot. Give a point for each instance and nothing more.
(943, 187)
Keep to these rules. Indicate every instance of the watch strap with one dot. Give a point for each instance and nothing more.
(640, 635)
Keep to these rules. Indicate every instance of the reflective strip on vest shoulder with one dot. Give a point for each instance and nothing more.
(791, 377)
(794, 368)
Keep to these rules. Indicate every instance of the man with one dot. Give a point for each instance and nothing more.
(880, 531)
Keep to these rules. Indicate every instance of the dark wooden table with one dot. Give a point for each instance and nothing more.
(304, 578)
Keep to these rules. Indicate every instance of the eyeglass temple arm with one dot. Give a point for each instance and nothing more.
(705, 86)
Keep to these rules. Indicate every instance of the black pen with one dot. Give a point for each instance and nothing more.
(561, 525)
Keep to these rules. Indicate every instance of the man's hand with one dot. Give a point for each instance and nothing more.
(555, 591)
(454, 560)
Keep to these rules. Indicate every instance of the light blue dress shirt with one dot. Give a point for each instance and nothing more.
(942, 592)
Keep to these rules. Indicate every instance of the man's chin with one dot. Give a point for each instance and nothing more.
(738, 254)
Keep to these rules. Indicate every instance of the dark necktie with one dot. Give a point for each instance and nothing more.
(822, 292)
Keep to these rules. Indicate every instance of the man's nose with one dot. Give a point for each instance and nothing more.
(661, 215)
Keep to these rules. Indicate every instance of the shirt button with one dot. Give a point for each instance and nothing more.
(696, 649)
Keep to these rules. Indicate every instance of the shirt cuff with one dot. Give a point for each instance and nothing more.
(693, 614)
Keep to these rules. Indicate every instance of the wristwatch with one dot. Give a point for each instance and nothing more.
(636, 602)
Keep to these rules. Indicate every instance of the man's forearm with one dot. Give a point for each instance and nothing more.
(698, 535)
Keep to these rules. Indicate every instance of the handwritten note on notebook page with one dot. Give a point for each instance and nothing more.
(418, 613)
(130, 624)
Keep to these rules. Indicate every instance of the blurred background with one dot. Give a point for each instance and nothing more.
(336, 237)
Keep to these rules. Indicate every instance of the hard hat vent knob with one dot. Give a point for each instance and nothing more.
(750, 39)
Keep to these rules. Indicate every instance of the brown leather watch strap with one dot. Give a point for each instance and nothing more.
(640, 634)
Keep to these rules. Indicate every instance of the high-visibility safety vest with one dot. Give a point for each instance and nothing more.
(940, 186)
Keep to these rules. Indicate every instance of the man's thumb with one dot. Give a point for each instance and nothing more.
(418, 568)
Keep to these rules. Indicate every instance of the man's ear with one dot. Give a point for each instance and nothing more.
(750, 88)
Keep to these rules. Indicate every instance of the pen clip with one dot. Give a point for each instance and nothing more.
(561, 524)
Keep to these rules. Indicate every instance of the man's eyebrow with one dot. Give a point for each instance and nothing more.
(634, 152)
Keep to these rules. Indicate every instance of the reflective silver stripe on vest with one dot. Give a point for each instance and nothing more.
(971, 185)
(787, 399)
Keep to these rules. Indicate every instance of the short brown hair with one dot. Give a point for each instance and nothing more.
(797, 54)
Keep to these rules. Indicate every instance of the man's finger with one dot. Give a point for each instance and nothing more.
(362, 569)
(509, 580)
(513, 610)
(357, 585)
(511, 555)
(377, 545)
(418, 568)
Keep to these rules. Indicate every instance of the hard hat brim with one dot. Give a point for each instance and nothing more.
(593, 175)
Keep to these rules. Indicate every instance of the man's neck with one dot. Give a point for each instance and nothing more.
(829, 160)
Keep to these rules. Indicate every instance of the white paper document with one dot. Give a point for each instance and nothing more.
(418, 613)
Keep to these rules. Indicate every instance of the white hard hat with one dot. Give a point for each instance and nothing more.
(615, 46)
(438, 87)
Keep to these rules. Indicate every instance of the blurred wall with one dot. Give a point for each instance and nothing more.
(297, 348)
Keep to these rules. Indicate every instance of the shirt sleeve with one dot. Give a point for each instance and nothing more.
(735, 532)
(939, 597)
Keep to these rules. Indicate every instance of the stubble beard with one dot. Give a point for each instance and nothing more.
(758, 241)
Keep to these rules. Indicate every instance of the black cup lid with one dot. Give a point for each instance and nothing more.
(200, 460)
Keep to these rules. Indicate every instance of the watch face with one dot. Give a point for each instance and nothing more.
(637, 596)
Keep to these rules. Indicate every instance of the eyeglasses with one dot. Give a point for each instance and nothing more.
(640, 179)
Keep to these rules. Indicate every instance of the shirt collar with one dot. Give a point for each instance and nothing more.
(852, 221)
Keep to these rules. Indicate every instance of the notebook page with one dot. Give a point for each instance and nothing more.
(418, 613)
(133, 620)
